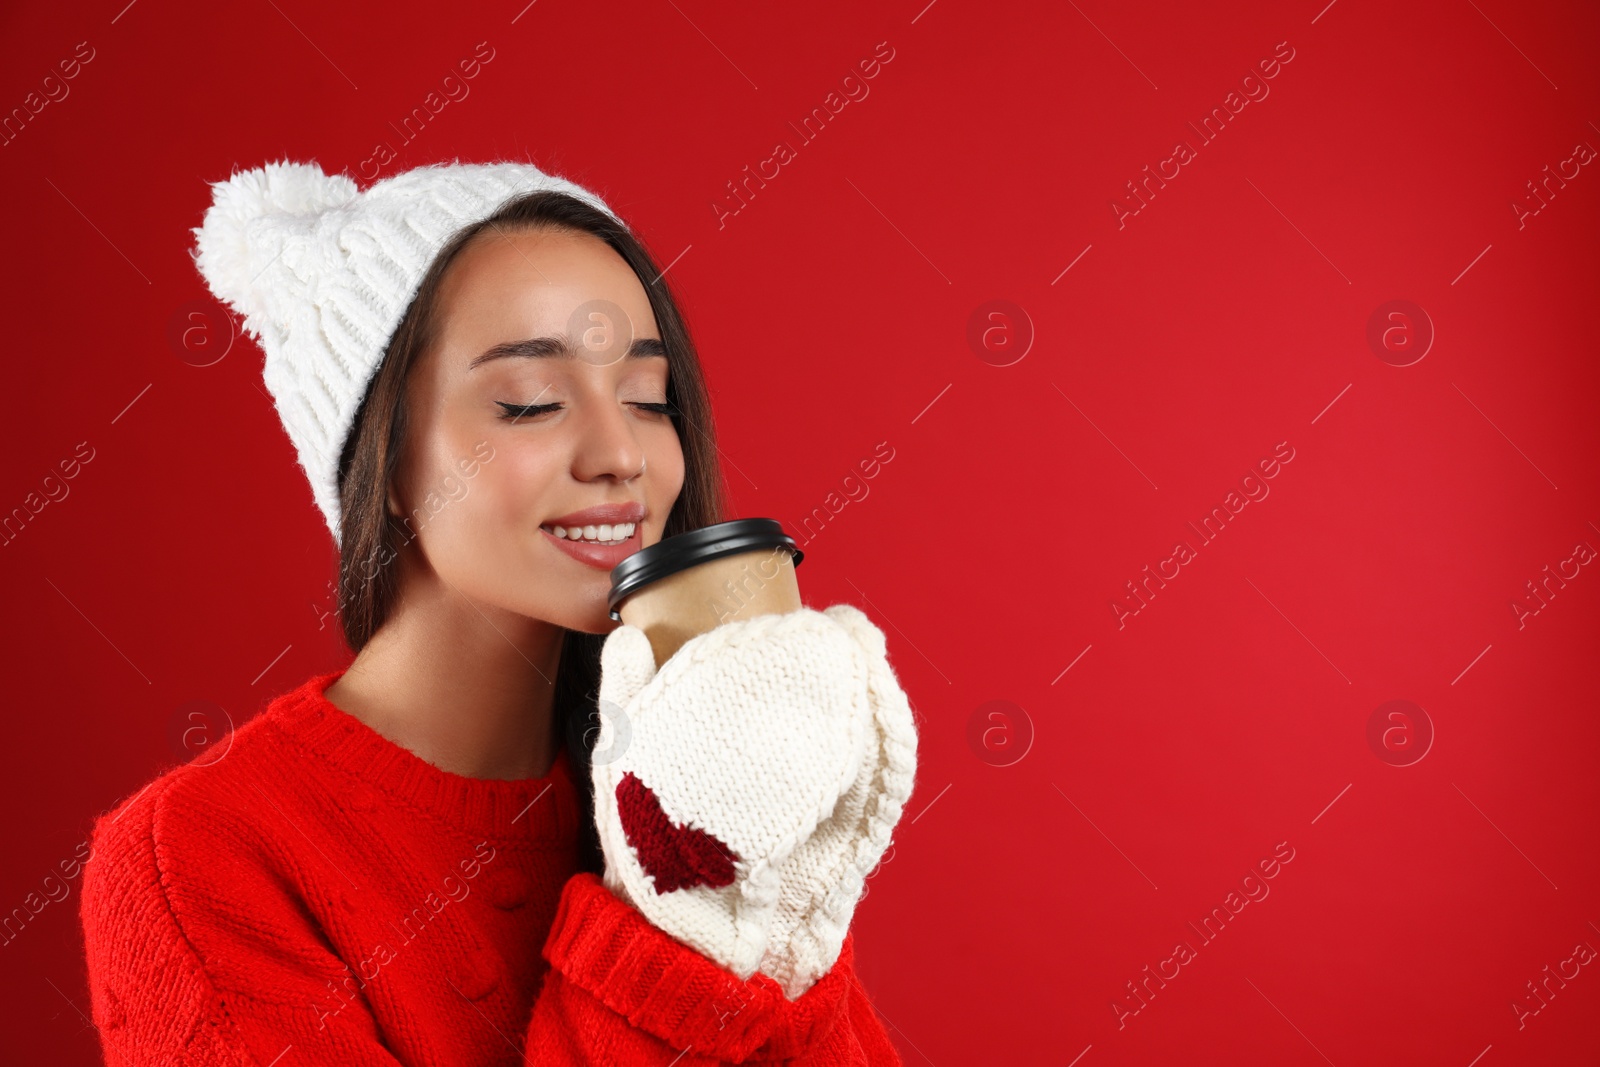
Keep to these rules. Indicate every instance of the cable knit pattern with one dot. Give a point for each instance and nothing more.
(825, 878)
(318, 895)
(322, 274)
(745, 790)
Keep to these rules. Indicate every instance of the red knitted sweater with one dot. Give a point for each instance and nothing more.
(317, 894)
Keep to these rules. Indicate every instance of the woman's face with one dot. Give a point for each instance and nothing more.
(535, 403)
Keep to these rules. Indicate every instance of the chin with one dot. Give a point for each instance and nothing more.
(604, 625)
(596, 620)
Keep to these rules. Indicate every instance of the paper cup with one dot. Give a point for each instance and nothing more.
(693, 582)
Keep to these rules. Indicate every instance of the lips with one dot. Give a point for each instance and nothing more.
(675, 857)
(602, 514)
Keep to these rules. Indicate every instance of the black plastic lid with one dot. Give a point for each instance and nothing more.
(682, 551)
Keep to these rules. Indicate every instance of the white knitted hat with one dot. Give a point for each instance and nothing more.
(322, 273)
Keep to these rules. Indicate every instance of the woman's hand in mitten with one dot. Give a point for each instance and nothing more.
(825, 877)
(710, 773)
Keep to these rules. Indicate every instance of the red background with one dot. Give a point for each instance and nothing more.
(1227, 716)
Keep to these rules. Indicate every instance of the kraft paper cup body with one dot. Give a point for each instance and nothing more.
(730, 571)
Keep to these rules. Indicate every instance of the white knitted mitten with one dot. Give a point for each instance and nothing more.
(711, 772)
(825, 878)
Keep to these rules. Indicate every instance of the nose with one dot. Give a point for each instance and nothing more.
(607, 445)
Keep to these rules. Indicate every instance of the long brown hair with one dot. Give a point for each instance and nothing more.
(371, 538)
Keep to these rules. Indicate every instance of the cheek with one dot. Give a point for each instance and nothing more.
(502, 495)
(514, 487)
(666, 465)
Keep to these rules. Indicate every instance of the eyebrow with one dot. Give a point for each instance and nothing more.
(560, 348)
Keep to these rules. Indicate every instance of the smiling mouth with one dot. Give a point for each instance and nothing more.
(601, 534)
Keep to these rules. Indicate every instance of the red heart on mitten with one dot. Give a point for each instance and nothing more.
(675, 857)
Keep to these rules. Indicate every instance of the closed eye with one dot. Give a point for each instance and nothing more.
(514, 412)
(521, 411)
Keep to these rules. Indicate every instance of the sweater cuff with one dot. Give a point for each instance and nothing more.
(604, 945)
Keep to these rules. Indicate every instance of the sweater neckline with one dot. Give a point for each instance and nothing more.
(542, 809)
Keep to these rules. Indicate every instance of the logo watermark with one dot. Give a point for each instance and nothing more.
(1000, 732)
(1400, 332)
(1399, 732)
(1000, 332)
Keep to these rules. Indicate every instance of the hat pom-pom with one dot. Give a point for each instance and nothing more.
(252, 215)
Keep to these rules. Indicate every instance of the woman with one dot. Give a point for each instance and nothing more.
(496, 399)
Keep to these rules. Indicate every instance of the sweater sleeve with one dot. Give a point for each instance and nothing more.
(619, 990)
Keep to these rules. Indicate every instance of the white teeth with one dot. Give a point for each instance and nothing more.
(604, 534)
